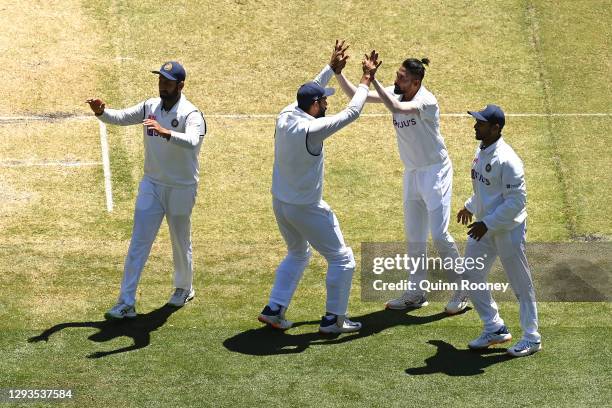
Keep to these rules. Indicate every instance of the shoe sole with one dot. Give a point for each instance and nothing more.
(189, 299)
(413, 306)
(448, 312)
(523, 355)
(276, 326)
(490, 344)
(323, 331)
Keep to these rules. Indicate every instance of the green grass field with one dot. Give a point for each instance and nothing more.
(61, 253)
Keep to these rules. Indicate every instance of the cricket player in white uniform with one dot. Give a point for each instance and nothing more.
(303, 218)
(498, 203)
(173, 130)
(428, 176)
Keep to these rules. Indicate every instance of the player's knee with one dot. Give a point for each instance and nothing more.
(340, 270)
(343, 258)
(300, 255)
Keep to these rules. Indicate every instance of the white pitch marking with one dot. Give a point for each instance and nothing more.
(243, 116)
(60, 163)
(106, 166)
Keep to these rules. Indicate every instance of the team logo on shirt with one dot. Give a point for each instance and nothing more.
(174, 123)
(404, 123)
(168, 67)
(488, 167)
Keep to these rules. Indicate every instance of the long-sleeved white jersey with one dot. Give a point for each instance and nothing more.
(297, 176)
(171, 162)
(500, 194)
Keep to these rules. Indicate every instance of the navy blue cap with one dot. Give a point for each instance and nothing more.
(492, 114)
(310, 92)
(172, 70)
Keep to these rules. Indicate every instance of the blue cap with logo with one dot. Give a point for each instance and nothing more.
(492, 114)
(172, 70)
(310, 92)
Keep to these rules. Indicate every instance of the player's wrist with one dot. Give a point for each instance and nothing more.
(367, 79)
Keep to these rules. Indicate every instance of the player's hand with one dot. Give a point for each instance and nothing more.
(370, 64)
(477, 230)
(96, 105)
(151, 124)
(338, 58)
(464, 216)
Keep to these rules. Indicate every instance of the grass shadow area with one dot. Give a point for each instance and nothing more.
(138, 329)
(453, 362)
(266, 341)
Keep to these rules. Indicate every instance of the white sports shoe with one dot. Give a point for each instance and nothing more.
(120, 311)
(487, 339)
(275, 319)
(524, 348)
(181, 296)
(457, 303)
(338, 324)
(407, 301)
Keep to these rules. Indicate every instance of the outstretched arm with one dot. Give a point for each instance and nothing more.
(349, 89)
(392, 103)
(124, 117)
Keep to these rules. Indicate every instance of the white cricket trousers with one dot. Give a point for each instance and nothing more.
(510, 247)
(155, 201)
(316, 225)
(427, 205)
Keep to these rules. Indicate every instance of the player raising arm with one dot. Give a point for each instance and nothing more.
(428, 174)
(303, 218)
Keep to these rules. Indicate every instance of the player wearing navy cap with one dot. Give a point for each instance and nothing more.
(303, 218)
(499, 206)
(173, 130)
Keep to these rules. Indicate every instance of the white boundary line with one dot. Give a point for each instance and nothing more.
(38, 118)
(108, 188)
(60, 163)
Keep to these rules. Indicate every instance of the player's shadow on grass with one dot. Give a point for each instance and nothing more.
(459, 363)
(266, 341)
(138, 329)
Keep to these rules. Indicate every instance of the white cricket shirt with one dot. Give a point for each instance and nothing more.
(297, 175)
(500, 194)
(171, 162)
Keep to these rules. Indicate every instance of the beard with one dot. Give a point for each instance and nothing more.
(397, 90)
(166, 96)
(321, 113)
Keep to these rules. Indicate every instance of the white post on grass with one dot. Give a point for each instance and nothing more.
(106, 166)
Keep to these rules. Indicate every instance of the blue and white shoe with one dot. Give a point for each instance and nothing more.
(121, 311)
(331, 323)
(524, 348)
(275, 318)
(487, 339)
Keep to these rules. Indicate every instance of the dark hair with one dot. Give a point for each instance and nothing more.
(416, 67)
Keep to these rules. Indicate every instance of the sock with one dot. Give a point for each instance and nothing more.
(275, 307)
